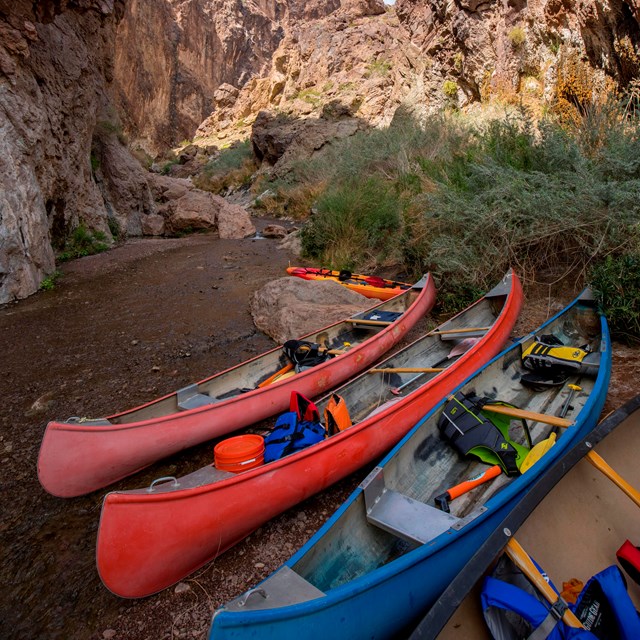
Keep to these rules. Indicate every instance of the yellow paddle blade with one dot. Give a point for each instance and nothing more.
(537, 452)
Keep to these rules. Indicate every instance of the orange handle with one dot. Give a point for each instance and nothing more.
(275, 376)
(467, 485)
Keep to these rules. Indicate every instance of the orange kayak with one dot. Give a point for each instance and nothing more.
(369, 286)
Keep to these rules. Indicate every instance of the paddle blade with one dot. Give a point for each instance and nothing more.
(537, 452)
(463, 347)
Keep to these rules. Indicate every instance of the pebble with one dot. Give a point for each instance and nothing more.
(109, 633)
(259, 565)
(155, 368)
(182, 587)
(135, 342)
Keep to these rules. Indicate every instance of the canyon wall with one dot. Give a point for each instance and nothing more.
(172, 55)
(55, 65)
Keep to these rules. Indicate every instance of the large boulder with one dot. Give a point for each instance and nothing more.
(289, 308)
(186, 208)
(234, 223)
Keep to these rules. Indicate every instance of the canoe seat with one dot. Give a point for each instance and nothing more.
(189, 398)
(280, 589)
(401, 515)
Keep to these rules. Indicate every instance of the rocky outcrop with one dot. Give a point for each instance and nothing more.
(356, 62)
(513, 48)
(278, 140)
(363, 62)
(288, 308)
(55, 115)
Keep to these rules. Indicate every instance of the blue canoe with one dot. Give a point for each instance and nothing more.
(388, 553)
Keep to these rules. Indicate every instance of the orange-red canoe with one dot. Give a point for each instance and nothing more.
(369, 286)
(151, 538)
(80, 455)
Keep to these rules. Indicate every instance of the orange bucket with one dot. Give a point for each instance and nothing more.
(239, 453)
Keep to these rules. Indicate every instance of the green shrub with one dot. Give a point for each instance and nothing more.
(468, 202)
(50, 281)
(233, 167)
(378, 68)
(616, 284)
(450, 88)
(83, 243)
(353, 223)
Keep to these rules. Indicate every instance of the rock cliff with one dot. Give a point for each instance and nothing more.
(172, 55)
(55, 65)
(63, 161)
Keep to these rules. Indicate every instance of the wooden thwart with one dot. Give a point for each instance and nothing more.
(408, 370)
(377, 323)
(528, 415)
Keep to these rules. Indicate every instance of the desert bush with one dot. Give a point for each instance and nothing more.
(450, 88)
(468, 202)
(532, 202)
(355, 222)
(49, 283)
(616, 284)
(83, 242)
(517, 36)
(232, 168)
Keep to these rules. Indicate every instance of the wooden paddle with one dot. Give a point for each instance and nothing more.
(599, 463)
(276, 375)
(408, 370)
(555, 421)
(521, 559)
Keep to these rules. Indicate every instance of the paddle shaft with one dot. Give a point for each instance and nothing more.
(521, 559)
(599, 463)
(408, 370)
(276, 375)
(531, 415)
(436, 332)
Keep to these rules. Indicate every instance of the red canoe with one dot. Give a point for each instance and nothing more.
(150, 538)
(79, 456)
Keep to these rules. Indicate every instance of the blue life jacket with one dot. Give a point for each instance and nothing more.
(603, 607)
(290, 434)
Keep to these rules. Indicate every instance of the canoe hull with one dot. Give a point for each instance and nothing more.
(387, 600)
(136, 557)
(77, 458)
